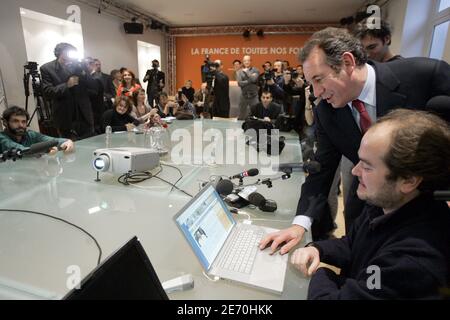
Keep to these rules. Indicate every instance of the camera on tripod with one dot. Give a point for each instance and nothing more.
(32, 67)
(42, 107)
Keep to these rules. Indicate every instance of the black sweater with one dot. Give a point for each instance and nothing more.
(411, 247)
(117, 121)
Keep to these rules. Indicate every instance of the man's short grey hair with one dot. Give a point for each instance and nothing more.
(334, 42)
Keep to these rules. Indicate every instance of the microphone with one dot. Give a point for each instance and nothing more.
(310, 167)
(248, 173)
(40, 147)
(224, 187)
(262, 203)
(441, 106)
(36, 148)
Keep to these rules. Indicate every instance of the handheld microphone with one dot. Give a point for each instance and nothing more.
(36, 148)
(40, 147)
(310, 167)
(262, 203)
(248, 173)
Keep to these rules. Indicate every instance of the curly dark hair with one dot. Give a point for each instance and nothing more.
(15, 111)
(361, 30)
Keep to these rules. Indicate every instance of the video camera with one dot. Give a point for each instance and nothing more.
(78, 68)
(32, 67)
(269, 75)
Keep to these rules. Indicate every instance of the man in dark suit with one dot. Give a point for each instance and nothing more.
(354, 94)
(156, 82)
(266, 109)
(68, 86)
(221, 90)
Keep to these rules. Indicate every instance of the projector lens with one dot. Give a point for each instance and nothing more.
(101, 163)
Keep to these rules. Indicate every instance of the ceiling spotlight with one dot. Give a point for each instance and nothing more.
(246, 34)
(260, 33)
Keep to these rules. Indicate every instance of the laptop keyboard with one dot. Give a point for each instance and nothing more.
(240, 255)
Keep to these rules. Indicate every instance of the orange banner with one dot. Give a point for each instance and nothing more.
(191, 53)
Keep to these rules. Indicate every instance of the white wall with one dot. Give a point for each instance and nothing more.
(104, 38)
(394, 13)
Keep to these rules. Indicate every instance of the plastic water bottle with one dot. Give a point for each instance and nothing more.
(108, 132)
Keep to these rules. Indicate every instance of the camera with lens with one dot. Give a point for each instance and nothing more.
(32, 67)
(294, 74)
(269, 75)
(78, 68)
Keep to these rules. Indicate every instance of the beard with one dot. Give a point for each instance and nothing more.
(18, 131)
(387, 197)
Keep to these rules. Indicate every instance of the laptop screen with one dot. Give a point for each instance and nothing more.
(126, 274)
(206, 223)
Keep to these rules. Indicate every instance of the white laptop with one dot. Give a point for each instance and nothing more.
(226, 248)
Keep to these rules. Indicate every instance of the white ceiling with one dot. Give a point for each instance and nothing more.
(248, 12)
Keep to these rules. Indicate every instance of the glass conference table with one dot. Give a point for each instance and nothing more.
(39, 255)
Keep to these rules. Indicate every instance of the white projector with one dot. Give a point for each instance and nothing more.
(126, 159)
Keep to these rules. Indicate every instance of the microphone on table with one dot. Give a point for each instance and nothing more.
(262, 203)
(248, 173)
(310, 167)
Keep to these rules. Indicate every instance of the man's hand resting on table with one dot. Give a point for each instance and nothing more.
(290, 236)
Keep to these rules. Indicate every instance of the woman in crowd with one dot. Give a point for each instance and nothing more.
(119, 117)
(128, 85)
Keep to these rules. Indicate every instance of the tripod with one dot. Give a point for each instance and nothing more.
(44, 116)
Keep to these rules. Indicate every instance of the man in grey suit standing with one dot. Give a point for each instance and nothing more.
(247, 78)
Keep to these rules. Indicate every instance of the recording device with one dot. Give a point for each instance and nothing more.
(294, 74)
(34, 149)
(77, 68)
(310, 167)
(249, 173)
(30, 70)
(123, 160)
(268, 75)
(180, 95)
(262, 203)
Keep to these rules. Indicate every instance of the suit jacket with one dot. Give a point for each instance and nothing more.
(221, 106)
(154, 78)
(404, 83)
(258, 111)
(71, 107)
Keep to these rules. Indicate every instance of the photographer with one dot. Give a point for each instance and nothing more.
(247, 79)
(68, 85)
(264, 76)
(156, 82)
(294, 87)
(274, 82)
(219, 84)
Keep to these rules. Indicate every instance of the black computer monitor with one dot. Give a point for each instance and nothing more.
(126, 274)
